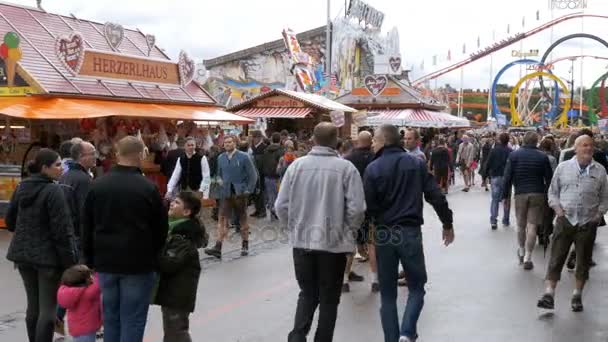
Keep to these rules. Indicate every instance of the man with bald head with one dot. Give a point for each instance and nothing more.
(361, 157)
(579, 196)
(322, 204)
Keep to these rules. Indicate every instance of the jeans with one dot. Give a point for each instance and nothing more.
(271, 192)
(86, 338)
(126, 299)
(497, 196)
(394, 245)
(319, 276)
(176, 325)
(41, 285)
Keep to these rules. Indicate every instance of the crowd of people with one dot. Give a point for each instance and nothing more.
(100, 246)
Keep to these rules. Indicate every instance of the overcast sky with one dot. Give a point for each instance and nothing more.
(210, 28)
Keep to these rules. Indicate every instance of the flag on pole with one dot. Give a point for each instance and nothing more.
(464, 48)
(478, 42)
(523, 21)
(434, 60)
(508, 28)
(422, 65)
(537, 14)
(493, 35)
(449, 55)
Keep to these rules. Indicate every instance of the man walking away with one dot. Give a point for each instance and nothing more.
(258, 147)
(529, 171)
(466, 157)
(124, 229)
(394, 187)
(496, 170)
(238, 179)
(269, 165)
(579, 196)
(440, 165)
(361, 157)
(321, 201)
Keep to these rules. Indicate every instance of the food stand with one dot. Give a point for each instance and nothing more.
(280, 109)
(387, 100)
(62, 77)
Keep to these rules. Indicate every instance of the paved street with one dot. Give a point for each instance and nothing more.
(476, 292)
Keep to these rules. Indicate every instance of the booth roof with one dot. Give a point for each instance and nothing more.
(312, 100)
(38, 107)
(38, 31)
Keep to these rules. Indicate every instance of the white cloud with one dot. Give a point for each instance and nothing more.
(209, 28)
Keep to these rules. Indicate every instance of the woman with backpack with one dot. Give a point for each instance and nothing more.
(43, 242)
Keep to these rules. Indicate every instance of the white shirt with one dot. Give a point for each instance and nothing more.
(177, 173)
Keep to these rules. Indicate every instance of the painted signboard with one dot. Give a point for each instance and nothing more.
(279, 102)
(111, 65)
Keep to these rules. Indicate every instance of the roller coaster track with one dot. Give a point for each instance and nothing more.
(503, 44)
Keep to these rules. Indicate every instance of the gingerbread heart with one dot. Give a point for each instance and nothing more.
(395, 63)
(186, 68)
(375, 84)
(70, 51)
(151, 41)
(114, 33)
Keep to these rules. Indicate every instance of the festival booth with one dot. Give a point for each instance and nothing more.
(280, 109)
(387, 100)
(64, 77)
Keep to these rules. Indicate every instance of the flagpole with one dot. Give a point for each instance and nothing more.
(490, 86)
(460, 94)
(580, 112)
(328, 40)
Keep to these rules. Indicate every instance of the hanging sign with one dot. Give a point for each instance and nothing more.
(375, 84)
(365, 13)
(387, 64)
(112, 65)
(114, 34)
(529, 53)
(70, 51)
(11, 53)
(151, 41)
(360, 118)
(337, 118)
(186, 68)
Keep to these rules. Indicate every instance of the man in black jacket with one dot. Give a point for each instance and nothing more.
(268, 164)
(495, 170)
(529, 171)
(124, 229)
(78, 178)
(258, 147)
(395, 184)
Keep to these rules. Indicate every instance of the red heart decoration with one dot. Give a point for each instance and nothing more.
(70, 51)
(375, 84)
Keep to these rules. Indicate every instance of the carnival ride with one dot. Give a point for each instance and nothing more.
(559, 99)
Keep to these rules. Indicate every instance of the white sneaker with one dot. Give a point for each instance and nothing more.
(405, 339)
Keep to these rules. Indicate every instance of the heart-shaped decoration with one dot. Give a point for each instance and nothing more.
(70, 51)
(395, 63)
(186, 68)
(375, 84)
(114, 33)
(151, 41)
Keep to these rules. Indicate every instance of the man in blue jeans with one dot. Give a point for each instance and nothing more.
(496, 169)
(394, 187)
(124, 229)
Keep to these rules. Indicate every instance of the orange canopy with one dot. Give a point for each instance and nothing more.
(32, 107)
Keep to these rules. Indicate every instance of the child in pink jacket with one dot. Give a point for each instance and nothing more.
(80, 295)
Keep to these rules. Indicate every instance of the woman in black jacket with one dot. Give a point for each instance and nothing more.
(43, 242)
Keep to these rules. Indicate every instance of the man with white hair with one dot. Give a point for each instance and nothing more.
(579, 196)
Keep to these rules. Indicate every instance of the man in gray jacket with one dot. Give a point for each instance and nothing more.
(322, 203)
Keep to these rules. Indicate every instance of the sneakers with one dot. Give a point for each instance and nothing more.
(577, 303)
(546, 302)
(405, 339)
(245, 248)
(528, 265)
(345, 288)
(375, 287)
(352, 276)
(494, 226)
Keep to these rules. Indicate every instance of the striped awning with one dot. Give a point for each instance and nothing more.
(415, 118)
(284, 113)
